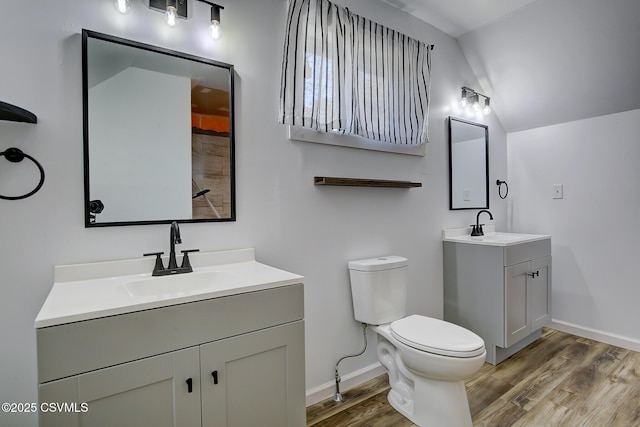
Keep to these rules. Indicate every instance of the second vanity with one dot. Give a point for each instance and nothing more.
(499, 286)
(222, 346)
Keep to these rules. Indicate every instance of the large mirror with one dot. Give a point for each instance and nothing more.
(468, 165)
(158, 134)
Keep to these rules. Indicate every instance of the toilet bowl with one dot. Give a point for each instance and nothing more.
(427, 359)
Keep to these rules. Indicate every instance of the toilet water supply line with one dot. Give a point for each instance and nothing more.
(338, 396)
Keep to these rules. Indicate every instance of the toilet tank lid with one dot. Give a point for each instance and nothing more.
(376, 264)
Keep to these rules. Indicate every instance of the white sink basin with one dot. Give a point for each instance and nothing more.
(181, 284)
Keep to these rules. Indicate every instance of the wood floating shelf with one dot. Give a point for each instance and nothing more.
(357, 182)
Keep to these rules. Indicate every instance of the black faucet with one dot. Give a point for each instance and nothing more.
(476, 229)
(172, 268)
(174, 238)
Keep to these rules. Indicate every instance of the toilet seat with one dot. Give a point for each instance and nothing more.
(437, 336)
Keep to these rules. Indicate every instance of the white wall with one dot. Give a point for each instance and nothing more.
(595, 228)
(293, 225)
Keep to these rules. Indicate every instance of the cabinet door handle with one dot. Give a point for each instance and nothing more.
(190, 385)
(537, 273)
(214, 374)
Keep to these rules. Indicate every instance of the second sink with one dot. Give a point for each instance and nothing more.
(498, 237)
(490, 237)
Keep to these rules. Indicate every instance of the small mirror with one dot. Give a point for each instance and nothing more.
(158, 134)
(468, 165)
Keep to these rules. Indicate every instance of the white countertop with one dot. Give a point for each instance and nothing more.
(490, 238)
(89, 291)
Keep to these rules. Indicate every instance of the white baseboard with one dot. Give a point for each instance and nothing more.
(350, 380)
(596, 335)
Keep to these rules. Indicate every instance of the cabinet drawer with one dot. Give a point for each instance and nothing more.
(74, 348)
(516, 254)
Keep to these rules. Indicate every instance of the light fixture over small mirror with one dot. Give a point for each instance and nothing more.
(471, 99)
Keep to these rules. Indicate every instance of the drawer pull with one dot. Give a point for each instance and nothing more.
(190, 385)
(537, 273)
(214, 374)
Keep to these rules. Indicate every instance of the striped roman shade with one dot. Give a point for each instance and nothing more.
(344, 73)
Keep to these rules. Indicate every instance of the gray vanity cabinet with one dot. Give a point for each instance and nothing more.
(233, 361)
(502, 293)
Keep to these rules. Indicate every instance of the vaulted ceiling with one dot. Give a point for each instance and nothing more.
(544, 62)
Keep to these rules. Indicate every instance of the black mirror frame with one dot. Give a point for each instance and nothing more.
(86, 34)
(486, 141)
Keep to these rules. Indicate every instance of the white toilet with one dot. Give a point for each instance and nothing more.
(427, 359)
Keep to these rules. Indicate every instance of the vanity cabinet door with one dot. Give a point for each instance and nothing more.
(255, 379)
(527, 296)
(150, 392)
(516, 308)
(539, 287)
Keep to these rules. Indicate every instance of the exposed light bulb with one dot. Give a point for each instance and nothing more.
(487, 107)
(476, 103)
(215, 31)
(171, 16)
(122, 6)
(463, 98)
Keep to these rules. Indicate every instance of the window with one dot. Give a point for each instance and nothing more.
(344, 74)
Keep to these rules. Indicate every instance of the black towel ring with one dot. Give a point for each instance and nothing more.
(16, 155)
(499, 184)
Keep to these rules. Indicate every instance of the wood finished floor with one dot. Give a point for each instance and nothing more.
(559, 380)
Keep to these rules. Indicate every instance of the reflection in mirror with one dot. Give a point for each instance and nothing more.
(158, 134)
(468, 165)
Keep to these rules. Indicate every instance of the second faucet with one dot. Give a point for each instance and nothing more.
(476, 229)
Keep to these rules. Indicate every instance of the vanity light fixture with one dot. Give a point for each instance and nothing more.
(472, 98)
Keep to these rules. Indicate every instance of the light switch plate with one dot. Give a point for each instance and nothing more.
(557, 191)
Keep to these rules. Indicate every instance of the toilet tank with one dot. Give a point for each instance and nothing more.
(379, 289)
